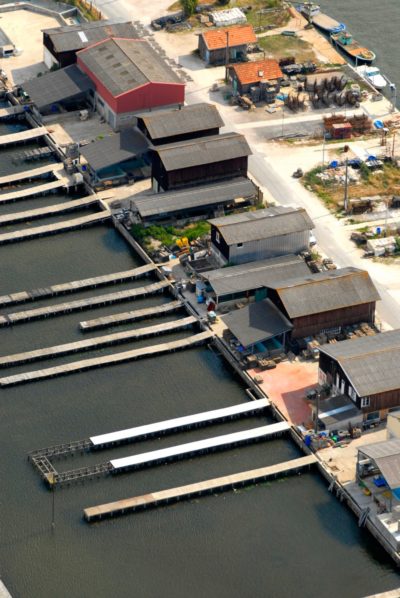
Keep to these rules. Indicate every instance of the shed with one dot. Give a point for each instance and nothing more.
(200, 160)
(365, 369)
(267, 233)
(227, 17)
(337, 413)
(341, 130)
(384, 457)
(189, 122)
(326, 301)
(223, 46)
(249, 74)
(6, 46)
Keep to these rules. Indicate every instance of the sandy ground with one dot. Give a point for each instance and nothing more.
(24, 28)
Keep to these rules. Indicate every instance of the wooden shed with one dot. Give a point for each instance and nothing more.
(222, 46)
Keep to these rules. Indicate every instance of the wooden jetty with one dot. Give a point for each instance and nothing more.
(31, 191)
(57, 227)
(115, 358)
(96, 342)
(197, 447)
(11, 111)
(76, 285)
(22, 136)
(130, 316)
(162, 497)
(80, 304)
(33, 173)
(62, 208)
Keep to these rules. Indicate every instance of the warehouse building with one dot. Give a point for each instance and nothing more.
(262, 234)
(189, 122)
(198, 161)
(223, 46)
(366, 370)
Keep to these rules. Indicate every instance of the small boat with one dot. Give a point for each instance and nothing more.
(312, 12)
(373, 75)
(360, 54)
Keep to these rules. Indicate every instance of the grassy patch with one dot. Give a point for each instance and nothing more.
(280, 46)
(168, 235)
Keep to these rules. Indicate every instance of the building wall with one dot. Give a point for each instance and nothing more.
(269, 248)
(49, 59)
(176, 138)
(393, 426)
(313, 324)
(151, 95)
(219, 243)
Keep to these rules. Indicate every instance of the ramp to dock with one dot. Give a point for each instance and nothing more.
(96, 343)
(199, 446)
(57, 227)
(23, 136)
(36, 190)
(86, 364)
(16, 177)
(67, 206)
(80, 304)
(76, 285)
(154, 499)
(179, 423)
(130, 316)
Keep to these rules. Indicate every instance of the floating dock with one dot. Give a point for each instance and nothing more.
(76, 285)
(96, 343)
(163, 497)
(199, 446)
(11, 111)
(57, 227)
(106, 360)
(27, 135)
(81, 304)
(33, 173)
(67, 206)
(130, 316)
(31, 191)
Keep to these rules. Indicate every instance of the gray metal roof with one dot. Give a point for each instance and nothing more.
(325, 291)
(386, 455)
(124, 64)
(57, 86)
(262, 224)
(203, 195)
(115, 148)
(371, 363)
(256, 322)
(255, 275)
(334, 410)
(4, 39)
(197, 117)
(70, 38)
(204, 150)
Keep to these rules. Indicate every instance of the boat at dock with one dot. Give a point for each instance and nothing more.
(312, 12)
(360, 54)
(372, 75)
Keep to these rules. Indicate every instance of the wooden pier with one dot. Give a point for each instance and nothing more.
(96, 343)
(130, 316)
(57, 227)
(11, 111)
(62, 208)
(33, 173)
(106, 360)
(221, 484)
(76, 285)
(31, 191)
(22, 136)
(81, 304)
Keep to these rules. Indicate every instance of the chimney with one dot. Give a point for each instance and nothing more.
(261, 73)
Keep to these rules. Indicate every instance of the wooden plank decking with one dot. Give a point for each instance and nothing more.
(23, 136)
(32, 173)
(36, 190)
(106, 360)
(61, 208)
(153, 499)
(11, 111)
(130, 316)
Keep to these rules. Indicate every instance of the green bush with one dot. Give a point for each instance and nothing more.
(189, 7)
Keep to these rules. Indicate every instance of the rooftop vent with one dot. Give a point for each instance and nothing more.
(261, 73)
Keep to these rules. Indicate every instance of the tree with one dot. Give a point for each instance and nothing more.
(223, 2)
(189, 7)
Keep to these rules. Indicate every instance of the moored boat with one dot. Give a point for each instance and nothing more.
(372, 75)
(312, 12)
(360, 54)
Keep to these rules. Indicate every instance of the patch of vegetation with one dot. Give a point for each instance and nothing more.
(280, 46)
(168, 235)
(188, 7)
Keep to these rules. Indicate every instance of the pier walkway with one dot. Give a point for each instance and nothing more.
(197, 447)
(96, 343)
(36, 190)
(67, 206)
(80, 304)
(76, 285)
(16, 177)
(106, 360)
(154, 499)
(57, 227)
(130, 316)
(27, 135)
(11, 111)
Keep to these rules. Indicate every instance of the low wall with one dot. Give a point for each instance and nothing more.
(61, 17)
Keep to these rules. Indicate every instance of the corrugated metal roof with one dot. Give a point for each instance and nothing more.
(262, 224)
(254, 72)
(326, 291)
(203, 195)
(371, 363)
(57, 86)
(255, 275)
(125, 64)
(68, 38)
(115, 148)
(204, 150)
(256, 322)
(197, 117)
(386, 455)
(334, 410)
(238, 36)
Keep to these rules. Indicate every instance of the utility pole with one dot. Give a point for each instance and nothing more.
(317, 412)
(226, 56)
(51, 480)
(283, 119)
(346, 186)
(323, 151)
(393, 143)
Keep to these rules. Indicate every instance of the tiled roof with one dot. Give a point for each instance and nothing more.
(238, 36)
(261, 70)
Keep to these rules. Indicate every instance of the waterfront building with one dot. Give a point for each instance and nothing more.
(246, 75)
(220, 46)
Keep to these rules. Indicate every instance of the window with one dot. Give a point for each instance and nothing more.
(239, 245)
(352, 393)
(217, 237)
(364, 402)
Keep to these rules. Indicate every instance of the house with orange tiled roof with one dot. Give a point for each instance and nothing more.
(250, 74)
(219, 46)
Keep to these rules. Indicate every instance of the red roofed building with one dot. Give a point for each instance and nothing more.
(129, 77)
(249, 74)
(213, 44)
